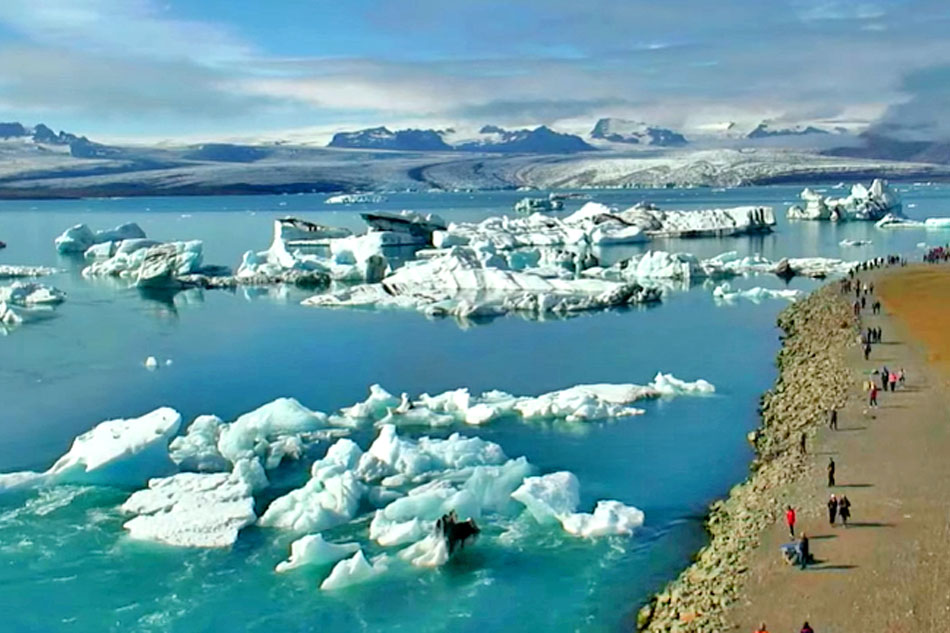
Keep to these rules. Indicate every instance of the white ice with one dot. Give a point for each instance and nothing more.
(193, 509)
(197, 450)
(80, 237)
(12, 271)
(609, 518)
(312, 550)
(724, 292)
(354, 570)
(270, 432)
(864, 203)
(28, 293)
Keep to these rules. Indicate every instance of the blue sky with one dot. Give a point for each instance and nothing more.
(186, 69)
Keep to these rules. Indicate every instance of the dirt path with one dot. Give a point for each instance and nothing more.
(889, 571)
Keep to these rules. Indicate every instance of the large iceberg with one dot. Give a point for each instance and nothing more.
(864, 203)
(78, 238)
(469, 283)
(146, 264)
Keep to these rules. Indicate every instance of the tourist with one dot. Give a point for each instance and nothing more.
(790, 520)
(831, 471)
(872, 399)
(803, 550)
(885, 374)
(801, 445)
(867, 350)
(761, 629)
(806, 628)
(864, 302)
(833, 419)
(892, 381)
(844, 509)
(832, 509)
(900, 376)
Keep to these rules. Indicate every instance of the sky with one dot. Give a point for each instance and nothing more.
(184, 69)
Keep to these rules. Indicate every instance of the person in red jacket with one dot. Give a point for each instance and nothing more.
(806, 628)
(790, 520)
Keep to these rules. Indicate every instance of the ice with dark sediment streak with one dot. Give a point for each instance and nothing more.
(468, 282)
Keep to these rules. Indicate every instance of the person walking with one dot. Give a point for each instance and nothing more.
(892, 381)
(872, 400)
(806, 628)
(831, 472)
(844, 509)
(832, 509)
(867, 351)
(790, 520)
(884, 375)
(833, 419)
(801, 445)
(761, 629)
(804, 552)
(900, 376)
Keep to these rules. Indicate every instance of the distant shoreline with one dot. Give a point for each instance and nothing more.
(319, 188)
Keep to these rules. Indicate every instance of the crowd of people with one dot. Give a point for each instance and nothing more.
(937, 255)
(839, 507)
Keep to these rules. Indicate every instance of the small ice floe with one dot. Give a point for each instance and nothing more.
(151, 363)
(854, 243)
(724, 292)
(9, 271)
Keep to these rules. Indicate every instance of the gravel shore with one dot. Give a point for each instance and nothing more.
(813, 377)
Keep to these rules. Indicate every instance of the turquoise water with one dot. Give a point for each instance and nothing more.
(66, 564)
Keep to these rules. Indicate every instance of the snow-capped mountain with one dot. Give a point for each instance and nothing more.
(384, 138)
(766, 130)
(43, 137)
(490, 138)
(636, 132)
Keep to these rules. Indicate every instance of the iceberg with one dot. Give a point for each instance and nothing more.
(197, 450)
(354, 570)
(864, 203)
(270, 432)
(609, 518)
(157, 266)
(30, 294)
(312, 550)
(937, 223)
(549, 497)
(124, 453)
(897, 221)
(331, 497)
(855, 243)
(554, 498)
(469, 283)
(355, 198)
(79, 238)
(409, 226)
(192, 509)
(725, 293)
(11, 271)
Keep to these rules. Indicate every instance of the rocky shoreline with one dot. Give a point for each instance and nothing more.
(813, 377)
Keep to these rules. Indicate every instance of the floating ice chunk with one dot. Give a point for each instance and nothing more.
(151, 363)
(8, 316)
(79, 238)
(855, 243)
(355, 198)
(197, 450)
(75, 239)
(432, 551)
(585, 402)
(120, 452)
(354, 570)
(264, 431)
(937, 223)
(549, 497)
(724, 292)
(898, 221)
(864, 203)
(192, 509)
(388, 532)
(609, 518)
(492, 486)
(670, 385)
(313, 550)
(331, 496)
(10, 271)
(375, 407)
(31, 294)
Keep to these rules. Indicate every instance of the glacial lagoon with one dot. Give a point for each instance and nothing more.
(234, 351)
